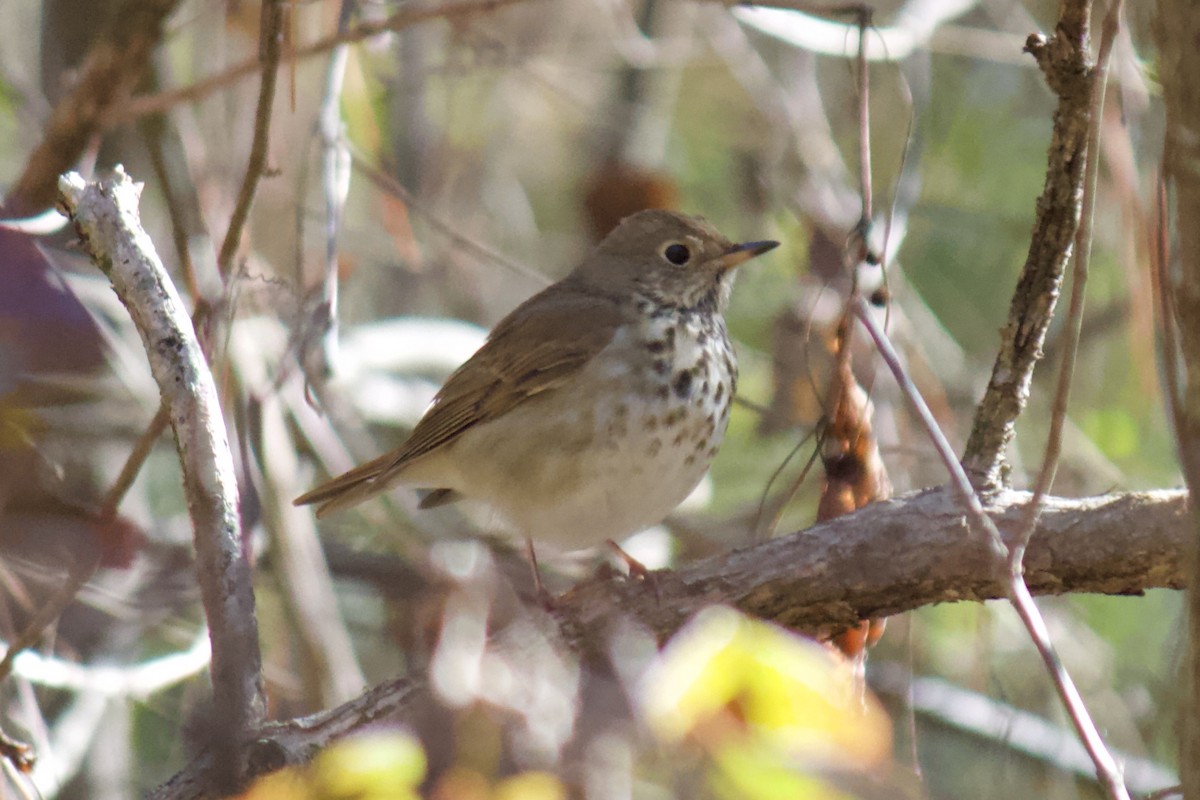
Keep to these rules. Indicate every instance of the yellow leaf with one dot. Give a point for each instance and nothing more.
(377, 766)
(727, 680)
(748, 773)
(530, 786)
(286, 784)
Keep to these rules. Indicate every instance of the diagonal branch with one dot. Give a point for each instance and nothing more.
(1079, 276)
(407, 16)
(270, 52)
(1108, 772)
(1064, 59)
(107, 78)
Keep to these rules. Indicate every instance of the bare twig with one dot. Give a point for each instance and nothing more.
(388, 184)
(317, 334)
(958, 479)
(328, 664)
(863, 79)
(1016, 589)
(107, 77)
(157, 134)
(406, 17)
(1009, 727)
(270, 53)
(81, 570)
(106, 217)
(133, 464)
(1063, 58)
(767, 531)
(1164, 312)
(19, 754)
(1079, 276)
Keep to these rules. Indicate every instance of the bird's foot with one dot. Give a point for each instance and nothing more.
(637, 570)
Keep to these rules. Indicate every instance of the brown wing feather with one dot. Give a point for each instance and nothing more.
(526, 354)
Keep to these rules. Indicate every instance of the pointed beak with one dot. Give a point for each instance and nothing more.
(744, 252)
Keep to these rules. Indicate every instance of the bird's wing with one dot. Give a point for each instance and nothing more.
(525, 355)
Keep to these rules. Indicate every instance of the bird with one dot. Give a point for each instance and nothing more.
(595, 407)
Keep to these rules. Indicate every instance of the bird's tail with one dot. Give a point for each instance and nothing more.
(353, 487)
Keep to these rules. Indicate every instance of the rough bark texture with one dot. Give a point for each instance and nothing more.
(1178, 30)
(904, 553)
(1063, 59)
(105, 215)
(890, 557)
(296, 741)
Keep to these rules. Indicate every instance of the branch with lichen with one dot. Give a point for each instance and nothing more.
(105, 214)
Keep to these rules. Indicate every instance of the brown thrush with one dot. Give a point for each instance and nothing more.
(596, 406)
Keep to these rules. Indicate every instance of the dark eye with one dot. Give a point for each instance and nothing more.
(677, 254)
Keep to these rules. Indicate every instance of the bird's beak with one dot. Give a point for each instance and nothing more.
(744, 252)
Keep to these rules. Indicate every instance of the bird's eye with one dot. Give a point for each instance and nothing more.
(678, 254)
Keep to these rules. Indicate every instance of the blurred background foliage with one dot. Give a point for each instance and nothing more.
(489, 153)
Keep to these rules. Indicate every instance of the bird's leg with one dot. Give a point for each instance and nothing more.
(636, 568)
(544, 597)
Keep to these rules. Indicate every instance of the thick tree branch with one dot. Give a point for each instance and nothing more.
(890, 557)
(1009, 551)
(905, 553)
(105, 214)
